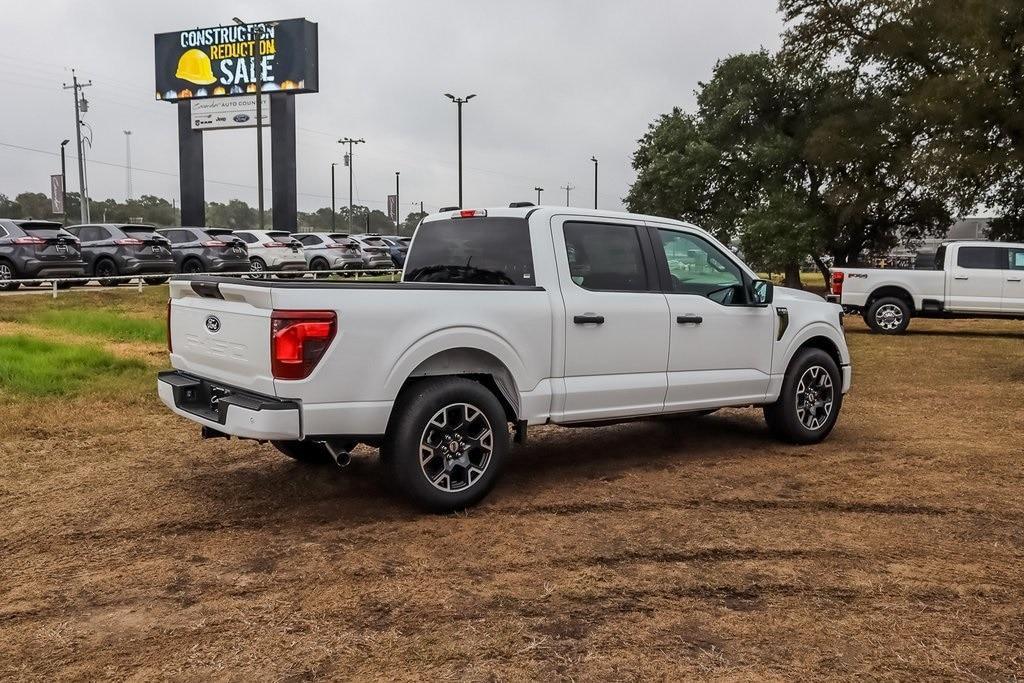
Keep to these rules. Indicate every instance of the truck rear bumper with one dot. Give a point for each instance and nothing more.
(229, 410)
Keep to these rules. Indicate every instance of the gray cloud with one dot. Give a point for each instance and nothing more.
(556, 82)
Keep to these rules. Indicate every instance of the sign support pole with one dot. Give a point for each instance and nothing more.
(282, 162)
(190, 168)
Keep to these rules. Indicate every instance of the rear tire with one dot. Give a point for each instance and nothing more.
(105, 268)
(306, 452)
(811, 398)
(888, 315)
(192, 266)
(7, 273)
(447, 443)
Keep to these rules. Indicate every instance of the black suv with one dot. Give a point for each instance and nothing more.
(196, 250)
(112, 249)
(37, 249)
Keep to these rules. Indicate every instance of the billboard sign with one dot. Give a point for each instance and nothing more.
(229, 112)
(223, 61)
(57, 193)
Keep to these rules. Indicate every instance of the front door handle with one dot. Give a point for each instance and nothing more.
(1013, 279)
(689, 318)
(585, 319)
(959, 277)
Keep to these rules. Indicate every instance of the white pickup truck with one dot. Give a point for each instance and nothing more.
(970, 280)
(504, 318)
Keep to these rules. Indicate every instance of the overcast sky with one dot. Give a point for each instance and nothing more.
(556, 81)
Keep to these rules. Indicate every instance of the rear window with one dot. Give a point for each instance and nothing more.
(141, 232)
(479, 251)
(993, 258)
(41, 230)
(374, 242)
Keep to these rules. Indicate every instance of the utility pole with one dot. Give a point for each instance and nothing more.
(459, 101)
(594, 159)
(398, 206)
(64, 182)
(350, 162)
(260, 37)
(334, 211)
(128, 165)
(539, 190)
(567, 187)
(80, 105)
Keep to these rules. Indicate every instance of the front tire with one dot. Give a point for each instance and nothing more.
(257, 268)
(808, 406)
(447, 443)
(888, 315)
(7, 273)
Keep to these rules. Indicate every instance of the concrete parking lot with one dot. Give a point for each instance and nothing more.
(653, 550)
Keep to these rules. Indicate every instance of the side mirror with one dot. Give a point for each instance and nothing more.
(762, 293)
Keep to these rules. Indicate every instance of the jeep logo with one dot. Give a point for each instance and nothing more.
(213, 323)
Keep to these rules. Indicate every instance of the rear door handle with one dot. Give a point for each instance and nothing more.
(957, 277)
(585, 319)
(689, 319)
(1013, 279)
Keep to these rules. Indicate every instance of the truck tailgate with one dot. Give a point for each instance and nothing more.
(223, 334)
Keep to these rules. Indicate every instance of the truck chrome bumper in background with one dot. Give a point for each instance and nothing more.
(229, 410)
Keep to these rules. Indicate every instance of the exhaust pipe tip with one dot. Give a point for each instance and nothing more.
(339, 454)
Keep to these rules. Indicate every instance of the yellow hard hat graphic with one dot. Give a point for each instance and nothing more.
(194, 66)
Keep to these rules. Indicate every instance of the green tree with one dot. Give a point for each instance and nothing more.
(411, 222)
(35, 205)
(235, 214)
(791, 158)
(954, 68)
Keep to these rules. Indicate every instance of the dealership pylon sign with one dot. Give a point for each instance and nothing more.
(214, 74)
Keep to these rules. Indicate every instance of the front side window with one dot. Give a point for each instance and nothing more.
(480, 251)
(605, 257)
(1016, 259)
(695, 266)
(987, 258)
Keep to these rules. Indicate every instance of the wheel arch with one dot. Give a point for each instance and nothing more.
(886, 291)
(817, 335)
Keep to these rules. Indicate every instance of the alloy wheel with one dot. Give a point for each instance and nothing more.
(815, 397)
(889, 316)
(456, 447)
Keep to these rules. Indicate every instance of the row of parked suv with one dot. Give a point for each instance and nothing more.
(31, 249)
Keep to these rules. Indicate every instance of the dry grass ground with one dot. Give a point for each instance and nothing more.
(647, 551)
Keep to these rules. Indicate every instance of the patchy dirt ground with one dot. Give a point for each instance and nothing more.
(647, 551)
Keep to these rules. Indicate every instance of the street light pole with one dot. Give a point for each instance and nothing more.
(459, 101)
(351, 162)
(398, 206)
(539, 190)
(567, 187)
(334, 211)
(594, 159)
(64, 182)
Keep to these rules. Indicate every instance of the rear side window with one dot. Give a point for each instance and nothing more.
(1016, 259)
(479, 251)
(246, 237)
(605, 257)
(992, 258)
(92, 233)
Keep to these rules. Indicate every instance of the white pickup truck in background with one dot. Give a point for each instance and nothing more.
(971, 279)
(505, 317)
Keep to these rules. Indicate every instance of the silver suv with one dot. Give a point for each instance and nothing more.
(333, 251)
(272, 250)
(376, 252)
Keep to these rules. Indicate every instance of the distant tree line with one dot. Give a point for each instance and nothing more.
(876, 123)
(235, 214)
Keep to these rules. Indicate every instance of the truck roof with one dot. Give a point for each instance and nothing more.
(548, 211)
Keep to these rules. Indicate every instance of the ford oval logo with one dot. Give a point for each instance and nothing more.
(213, 323)
(240, 118)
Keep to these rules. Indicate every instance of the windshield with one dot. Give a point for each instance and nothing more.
(480, 251)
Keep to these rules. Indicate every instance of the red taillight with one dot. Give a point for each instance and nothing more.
(29, 240)
(170, 349)
(837, 282)
(214, 243)
(298, 340)
(129, 242)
